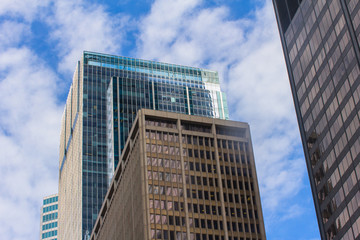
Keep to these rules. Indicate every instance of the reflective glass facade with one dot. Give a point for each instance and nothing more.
(321, 46)
(183, 177)
(49, 218)
(103, 100)
(160, 86)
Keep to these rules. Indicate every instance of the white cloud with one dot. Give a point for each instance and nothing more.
(189, 35)
(29, 134)
(25, 9)
(247, 53)
(79, 26)
(12, 33)
(293, 212)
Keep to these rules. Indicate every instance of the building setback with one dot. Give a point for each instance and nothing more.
(104, 97)
(321, 46)
(183, 177)
(49, 218)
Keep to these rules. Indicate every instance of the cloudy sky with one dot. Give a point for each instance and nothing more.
(41, 40)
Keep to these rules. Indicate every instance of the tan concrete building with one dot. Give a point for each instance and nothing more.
(183, 177)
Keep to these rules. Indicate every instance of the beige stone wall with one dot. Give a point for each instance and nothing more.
(70, 187)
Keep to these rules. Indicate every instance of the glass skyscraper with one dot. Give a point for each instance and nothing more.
(106, 93)
(320, 40)
(49, 218)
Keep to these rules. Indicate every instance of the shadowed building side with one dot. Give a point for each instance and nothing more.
(320, 41)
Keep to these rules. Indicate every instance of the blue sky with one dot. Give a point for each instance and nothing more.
(41, 40)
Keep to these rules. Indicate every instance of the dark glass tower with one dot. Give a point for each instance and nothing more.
(320, 40)
(105, 95)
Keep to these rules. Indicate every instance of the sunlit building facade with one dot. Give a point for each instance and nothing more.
(49, 218)
(320, 40)
(183, 177)
(105, 95)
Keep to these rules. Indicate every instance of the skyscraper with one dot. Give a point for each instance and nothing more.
(183, 177)
(105, 95)
(49, 218)
(320, 40)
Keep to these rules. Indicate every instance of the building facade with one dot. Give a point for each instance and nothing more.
(49, 218)
(104, 97)
(320, 40)
(183, 177)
